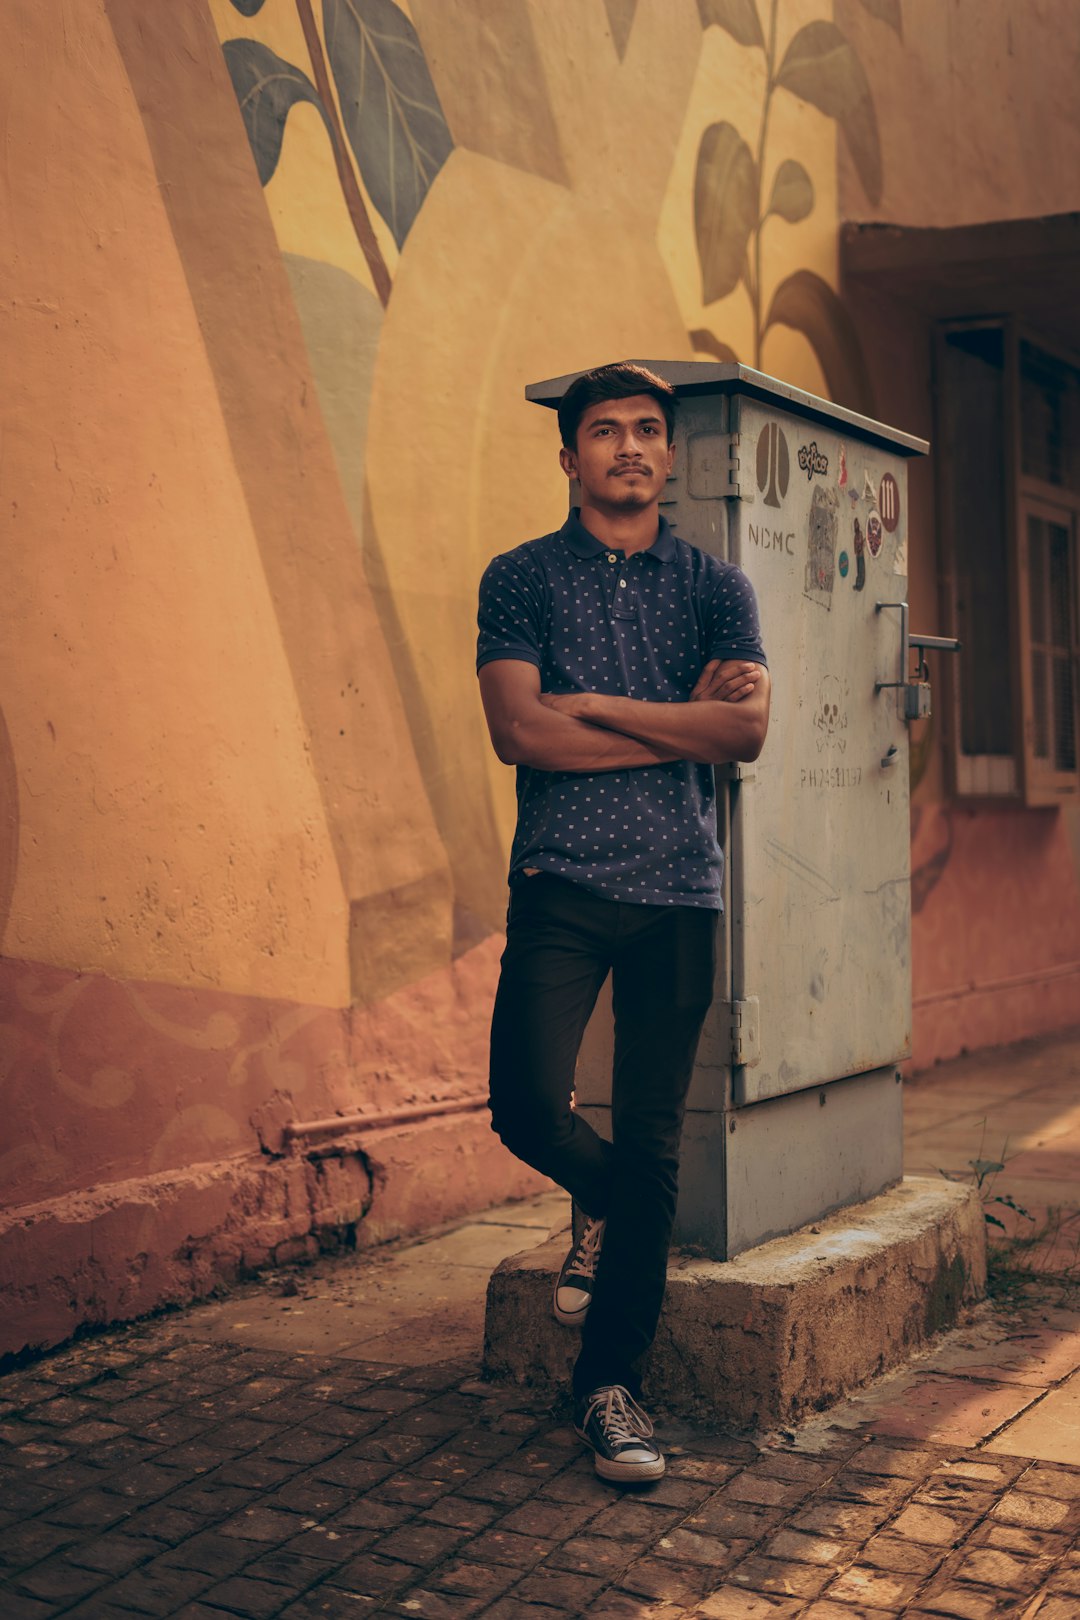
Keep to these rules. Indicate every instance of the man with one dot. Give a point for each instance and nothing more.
(617, 665)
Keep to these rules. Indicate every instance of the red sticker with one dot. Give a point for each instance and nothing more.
(889, 502)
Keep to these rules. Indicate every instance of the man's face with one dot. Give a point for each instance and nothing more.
(622, 458)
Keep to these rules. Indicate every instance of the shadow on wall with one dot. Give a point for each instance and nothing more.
(392, 862)
(928, 874)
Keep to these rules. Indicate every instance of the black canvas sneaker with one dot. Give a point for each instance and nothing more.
(620, 1434)
(574, 1289)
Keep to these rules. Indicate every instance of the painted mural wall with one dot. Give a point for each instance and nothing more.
(471, 197)
(276, 275)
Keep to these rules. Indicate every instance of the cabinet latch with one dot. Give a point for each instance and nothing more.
(913, 685)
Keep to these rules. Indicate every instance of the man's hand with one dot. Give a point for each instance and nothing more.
(726, 680)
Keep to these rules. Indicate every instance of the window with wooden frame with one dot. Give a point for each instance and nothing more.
(1008, 484)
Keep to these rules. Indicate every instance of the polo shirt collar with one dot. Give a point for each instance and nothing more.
(584, 544)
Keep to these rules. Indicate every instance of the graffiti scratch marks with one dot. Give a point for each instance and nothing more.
(790, 861)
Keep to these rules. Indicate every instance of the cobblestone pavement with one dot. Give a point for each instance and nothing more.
(306, 1448)
(145, 1473)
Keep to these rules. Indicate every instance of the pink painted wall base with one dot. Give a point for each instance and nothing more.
(166, 1107)
(122, 1250)
(996, 927)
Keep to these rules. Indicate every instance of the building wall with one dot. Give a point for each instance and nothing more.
(995, 887)
(263, 427)
(975, 109)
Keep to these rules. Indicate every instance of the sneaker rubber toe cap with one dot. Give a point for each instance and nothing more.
(630, 1465)
(571, 1303)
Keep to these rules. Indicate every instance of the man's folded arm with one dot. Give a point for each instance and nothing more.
(711, 732)
(526, 731)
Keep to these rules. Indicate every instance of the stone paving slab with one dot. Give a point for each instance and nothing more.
(387, 1305)
(1051, 1429)
(146, 1473)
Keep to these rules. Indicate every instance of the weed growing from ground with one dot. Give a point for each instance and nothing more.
(1035, 1251)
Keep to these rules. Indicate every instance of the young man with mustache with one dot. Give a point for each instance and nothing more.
(617, 665)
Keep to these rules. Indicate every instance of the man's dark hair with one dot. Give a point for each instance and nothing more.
(619, 381)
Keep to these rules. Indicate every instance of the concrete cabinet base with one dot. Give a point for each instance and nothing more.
(784, 1329)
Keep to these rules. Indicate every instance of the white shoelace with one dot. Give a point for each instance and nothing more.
(621, 1418)
(587, 1252)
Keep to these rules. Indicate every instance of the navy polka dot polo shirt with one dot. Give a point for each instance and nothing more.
(595, 620)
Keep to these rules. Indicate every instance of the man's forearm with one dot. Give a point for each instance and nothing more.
(710, 733)
(549, 741)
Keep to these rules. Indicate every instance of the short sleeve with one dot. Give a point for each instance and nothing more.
(732, 625)
(511, 614)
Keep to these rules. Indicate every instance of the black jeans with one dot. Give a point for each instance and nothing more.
(561, 942)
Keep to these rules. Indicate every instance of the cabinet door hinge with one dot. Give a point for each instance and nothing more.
(745, 1032)
(713, 466)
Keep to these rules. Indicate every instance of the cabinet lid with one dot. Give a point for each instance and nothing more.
(690, 377)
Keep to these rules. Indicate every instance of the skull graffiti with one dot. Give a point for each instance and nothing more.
(830, 717)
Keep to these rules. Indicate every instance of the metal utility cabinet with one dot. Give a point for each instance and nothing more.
(795, 1105)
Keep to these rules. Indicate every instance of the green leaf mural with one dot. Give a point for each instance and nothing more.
(738, 17)
(808, 304)
(267, 88)
(389, 106)
(792, 193)
(821, 67)
(725, 208)
(886, 11)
